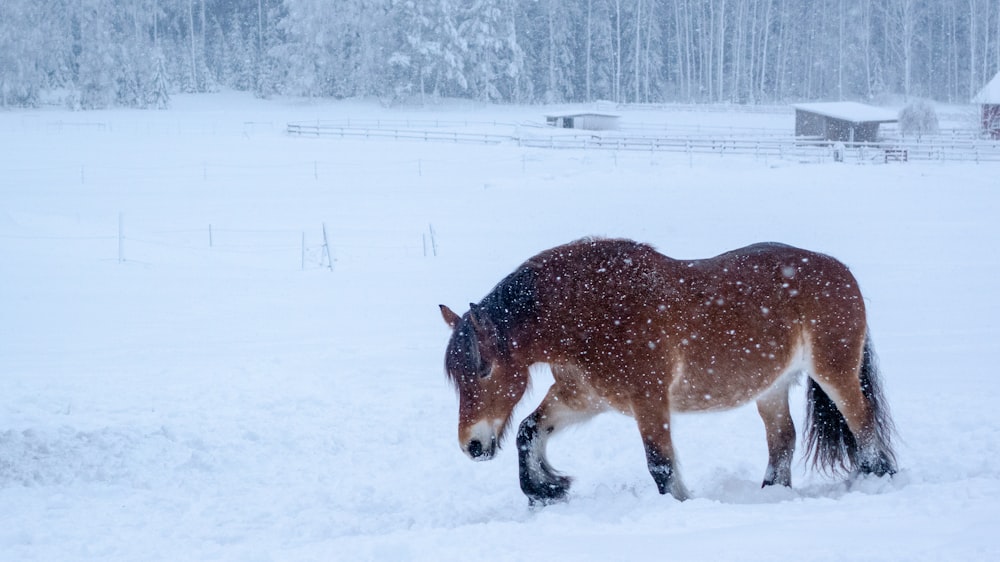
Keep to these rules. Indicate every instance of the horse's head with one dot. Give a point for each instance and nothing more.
(488, 384)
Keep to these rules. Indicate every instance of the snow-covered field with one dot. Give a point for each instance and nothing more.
(204, 387)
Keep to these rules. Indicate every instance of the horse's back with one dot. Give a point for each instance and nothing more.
(768, 255)
(760, 281)
(587, 252)
(769, 287)
(782, 270)
(762, 311)
(750, 313)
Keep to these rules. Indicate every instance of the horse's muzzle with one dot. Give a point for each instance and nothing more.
(478, 452)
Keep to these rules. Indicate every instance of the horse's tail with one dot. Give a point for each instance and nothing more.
(829, 441)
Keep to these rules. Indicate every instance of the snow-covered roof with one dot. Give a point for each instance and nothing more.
(990, 92)
(557, 115)
(850, 111)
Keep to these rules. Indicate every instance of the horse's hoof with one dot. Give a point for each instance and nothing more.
(776, 482)
(545, 493)
(880, 466)
(544, 500)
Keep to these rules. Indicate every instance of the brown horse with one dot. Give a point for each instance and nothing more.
(624, 327)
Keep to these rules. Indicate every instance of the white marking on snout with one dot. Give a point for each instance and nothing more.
(484, 431)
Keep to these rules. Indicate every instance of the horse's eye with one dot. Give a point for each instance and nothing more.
(484, 370)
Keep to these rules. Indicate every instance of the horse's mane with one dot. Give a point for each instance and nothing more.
(510, 303)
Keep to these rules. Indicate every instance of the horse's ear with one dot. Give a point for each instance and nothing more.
(450, 317)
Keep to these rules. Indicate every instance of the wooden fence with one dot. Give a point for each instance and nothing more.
(937, 148)
(354, 132)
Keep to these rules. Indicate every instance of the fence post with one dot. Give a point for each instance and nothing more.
(326, 248)
(121, 237)
(434, 247)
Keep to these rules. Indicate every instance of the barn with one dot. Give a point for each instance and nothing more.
(989, 99)
(842, 121)
(583, 120)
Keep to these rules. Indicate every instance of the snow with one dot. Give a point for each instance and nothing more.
(197, 402)
(990, 92)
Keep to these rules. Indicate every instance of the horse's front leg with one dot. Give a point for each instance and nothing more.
(653, 418)
(563, 406)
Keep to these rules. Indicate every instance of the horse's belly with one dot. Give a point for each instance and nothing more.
(725, 384)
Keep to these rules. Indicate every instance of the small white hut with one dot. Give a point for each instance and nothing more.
(583, 120)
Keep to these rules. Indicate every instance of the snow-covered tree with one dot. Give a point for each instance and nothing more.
(429, 54)
(335, 49)
(494, 61)
(108, 51)
(559, 51)
(36, 50)
(158, 93)
(918, 118)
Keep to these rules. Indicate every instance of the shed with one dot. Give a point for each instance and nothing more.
(842, 121)
(989, 99)
(583, 120)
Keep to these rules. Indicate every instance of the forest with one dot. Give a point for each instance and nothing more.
(88, 54)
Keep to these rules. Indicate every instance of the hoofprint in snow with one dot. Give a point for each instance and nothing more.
(190, 371)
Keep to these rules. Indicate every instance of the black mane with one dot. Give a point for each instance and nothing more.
(462, 358)
(509, 304)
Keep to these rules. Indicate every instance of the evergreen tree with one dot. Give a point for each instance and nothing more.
(158, 95)
(429, 51)
(918, 118)
(129, 52)
(495, 61)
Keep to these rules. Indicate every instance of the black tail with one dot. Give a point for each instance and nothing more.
(831, 445)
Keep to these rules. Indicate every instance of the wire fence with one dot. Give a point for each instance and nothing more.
(315, 248)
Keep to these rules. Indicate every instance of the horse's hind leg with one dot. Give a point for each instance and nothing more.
(564, 405)
(773, 409)
(848, 420)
